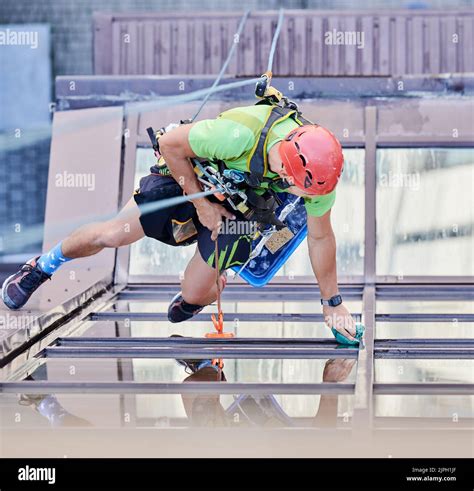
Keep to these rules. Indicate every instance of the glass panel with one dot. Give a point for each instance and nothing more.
(347, 218)
(415, 371)
(231, 307)
(199, 329)
(317, 409)
(149, 256)
(20, 411)
(435, 306)
(407, 330)
(196, 328)
(425, 211)
(171, 410)
(289, 371)
(454, 408)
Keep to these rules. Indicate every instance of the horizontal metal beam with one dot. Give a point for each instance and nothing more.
(251, 295)
(41, 387)
(278, 281)
(287, 287)
(280, 317)
(187, 342)
(46, 387)
(429, 354)
(201, 353)
(424, 317)
(387, 288)
(426, 279)
(424, 292)
(93, 91)
(291, 343)
(424, 389)
(206, 317)
(242, 292)
(425, 343)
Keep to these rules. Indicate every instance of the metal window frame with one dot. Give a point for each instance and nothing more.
(370, 283)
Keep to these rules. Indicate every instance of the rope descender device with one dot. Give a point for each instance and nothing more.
(219, 320)
(265, 91)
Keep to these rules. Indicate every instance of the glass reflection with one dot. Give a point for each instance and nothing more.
(425, 211)
(432, 306)
(242, 410)
(424, 371)
(454, 408)
(426, 330)
(50, 408)
(253, 410)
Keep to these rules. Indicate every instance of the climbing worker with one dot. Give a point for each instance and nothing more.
(270, 149)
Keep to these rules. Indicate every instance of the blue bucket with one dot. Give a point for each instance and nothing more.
(260, 270)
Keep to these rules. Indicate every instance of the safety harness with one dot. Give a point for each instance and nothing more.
(240, 188)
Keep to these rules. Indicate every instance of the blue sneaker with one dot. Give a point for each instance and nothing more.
(18, 288)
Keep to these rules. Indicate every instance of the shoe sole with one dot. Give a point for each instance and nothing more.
(4, 297)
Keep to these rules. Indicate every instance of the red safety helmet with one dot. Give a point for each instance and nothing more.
(312, 158)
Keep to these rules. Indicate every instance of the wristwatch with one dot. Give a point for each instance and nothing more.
(333, 301)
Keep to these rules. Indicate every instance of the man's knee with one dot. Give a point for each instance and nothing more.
(194, 296)
(112, 234)
(202, 293)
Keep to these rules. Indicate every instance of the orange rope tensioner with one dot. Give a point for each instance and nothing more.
(219, 320)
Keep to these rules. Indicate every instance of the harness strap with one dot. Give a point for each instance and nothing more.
(257, 162)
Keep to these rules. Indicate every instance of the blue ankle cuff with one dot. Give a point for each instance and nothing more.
(205, 364)
(50, 261)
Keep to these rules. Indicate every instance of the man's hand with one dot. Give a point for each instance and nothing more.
(210, 215)
(337, 370)
(340, 318)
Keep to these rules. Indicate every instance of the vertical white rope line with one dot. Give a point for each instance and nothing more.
(235, 42)
(281, 17)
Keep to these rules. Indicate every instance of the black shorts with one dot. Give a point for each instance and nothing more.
(179, 225)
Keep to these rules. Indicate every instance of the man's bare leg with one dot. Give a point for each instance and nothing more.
(124, 229)
(199, 283)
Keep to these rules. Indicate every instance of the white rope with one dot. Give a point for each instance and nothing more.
(226, 63)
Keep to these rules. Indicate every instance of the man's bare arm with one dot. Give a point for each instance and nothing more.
(176, 150)
(322, 253)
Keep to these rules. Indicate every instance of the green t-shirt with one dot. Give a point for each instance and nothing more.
(230, 138)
